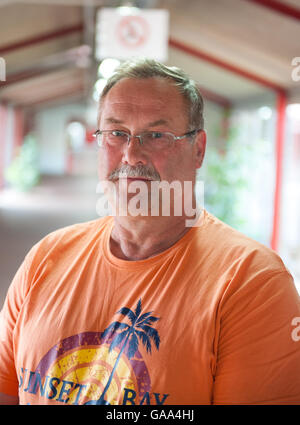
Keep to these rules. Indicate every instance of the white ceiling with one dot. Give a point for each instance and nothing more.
(240, 33)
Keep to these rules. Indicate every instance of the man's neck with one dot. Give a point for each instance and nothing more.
(138, 238)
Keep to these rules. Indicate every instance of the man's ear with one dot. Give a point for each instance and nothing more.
(200, 146)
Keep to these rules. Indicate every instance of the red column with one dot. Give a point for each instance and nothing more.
(3, 127)
(18, 127)
(280, 128)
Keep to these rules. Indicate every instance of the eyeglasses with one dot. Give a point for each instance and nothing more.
(151, 140)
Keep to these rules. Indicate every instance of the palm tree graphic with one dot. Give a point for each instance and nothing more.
(129, 335)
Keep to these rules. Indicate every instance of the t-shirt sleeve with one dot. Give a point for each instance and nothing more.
(258, 360)
(8, 318)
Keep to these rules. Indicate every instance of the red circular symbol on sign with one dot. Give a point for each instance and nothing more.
(133, 31)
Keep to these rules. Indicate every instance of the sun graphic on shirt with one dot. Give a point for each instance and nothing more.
(90, 367)
(101, 368)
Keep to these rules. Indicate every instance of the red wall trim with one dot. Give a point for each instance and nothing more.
(24, 75)
(19, 127)
(215, 98)
(279, 7)
(3, 128)
(196, 52)
(280, 129)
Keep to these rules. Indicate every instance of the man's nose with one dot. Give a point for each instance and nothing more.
(133, 152)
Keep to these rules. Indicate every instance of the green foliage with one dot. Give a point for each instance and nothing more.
(23, 172)
(226, 179)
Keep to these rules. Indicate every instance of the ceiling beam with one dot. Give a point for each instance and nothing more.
(59, 61)
(27, 75)
(47, 36)
(200, 54)
(62, 96)
(215, 98)
(65, 94)
(279, 7)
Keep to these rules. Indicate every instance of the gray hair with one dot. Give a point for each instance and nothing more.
(149, 68)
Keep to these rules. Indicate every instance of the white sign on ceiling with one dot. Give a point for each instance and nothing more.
(130, 32)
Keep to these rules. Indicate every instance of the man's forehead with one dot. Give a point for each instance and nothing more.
(155, 123)
(157, 99)
(127, 100)
(115, 111)
(115, 106)
(142, 90)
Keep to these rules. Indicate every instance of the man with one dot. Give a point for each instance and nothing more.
(143, 308)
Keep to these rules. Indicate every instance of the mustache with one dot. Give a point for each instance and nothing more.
(138, 171)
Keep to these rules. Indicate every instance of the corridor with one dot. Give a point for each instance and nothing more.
(25, 218)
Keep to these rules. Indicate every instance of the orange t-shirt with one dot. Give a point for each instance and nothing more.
(208, 320)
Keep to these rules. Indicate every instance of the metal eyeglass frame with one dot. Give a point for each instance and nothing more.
(140, 136)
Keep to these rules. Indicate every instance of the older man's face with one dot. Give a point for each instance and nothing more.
(153, 104)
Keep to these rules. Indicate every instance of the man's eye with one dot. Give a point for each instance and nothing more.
(156, 135)
(117, 133)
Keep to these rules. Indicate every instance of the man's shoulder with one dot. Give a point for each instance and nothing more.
(76, 230)
(70, 236)
(233, 247)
